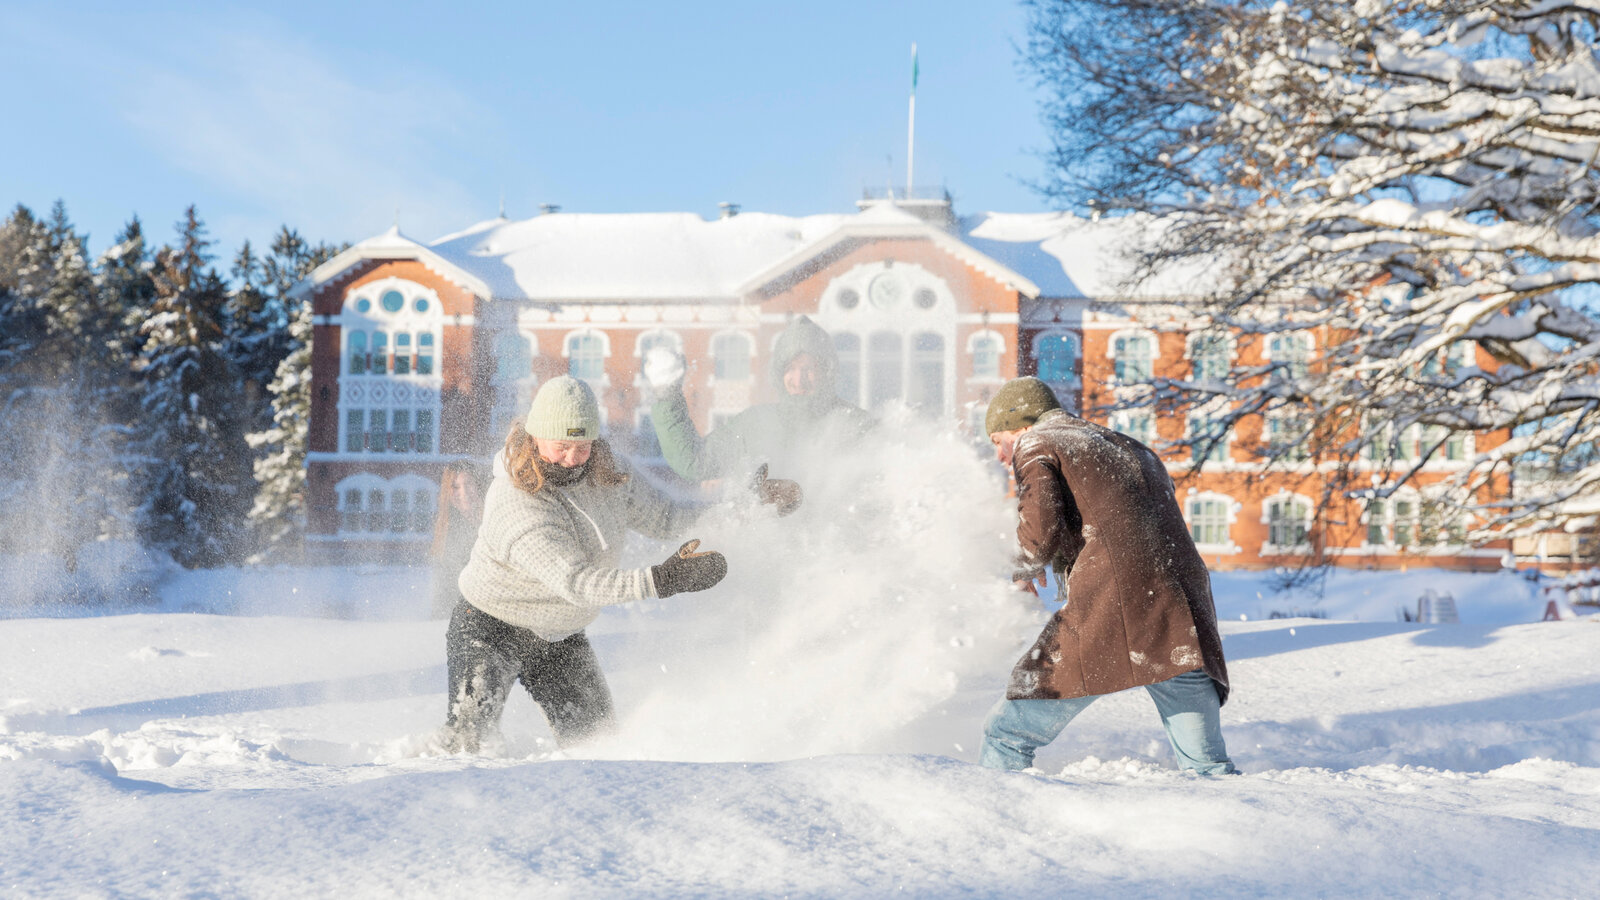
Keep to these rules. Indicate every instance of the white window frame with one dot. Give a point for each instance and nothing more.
(1309, 349)
(1122, 422)
(1224, 342)
(1230, 509)
(420, 527)
(1072, 340)
(982, 336)
(722, 337)
(1122, 334)
(604, 379)
(413, 393)
(1271, 548)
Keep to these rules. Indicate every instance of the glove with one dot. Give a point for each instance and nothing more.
(779, 492)
(663, 372)
(687, 570)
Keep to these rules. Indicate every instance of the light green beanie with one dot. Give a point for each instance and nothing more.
(564, 410)
(1018, 404)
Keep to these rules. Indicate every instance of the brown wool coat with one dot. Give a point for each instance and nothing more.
(1098, 507)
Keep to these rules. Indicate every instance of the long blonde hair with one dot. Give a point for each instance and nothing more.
(522, 462)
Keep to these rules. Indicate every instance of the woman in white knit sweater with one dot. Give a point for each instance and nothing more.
(546, 560)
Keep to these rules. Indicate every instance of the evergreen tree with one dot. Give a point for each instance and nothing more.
(63, 480)
(257, 332)
(194, 464)
(278, 515)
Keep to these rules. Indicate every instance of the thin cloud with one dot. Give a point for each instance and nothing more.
(270, 120)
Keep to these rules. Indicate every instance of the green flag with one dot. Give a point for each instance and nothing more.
(913, 70)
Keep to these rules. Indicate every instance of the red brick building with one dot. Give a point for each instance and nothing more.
(426, 353)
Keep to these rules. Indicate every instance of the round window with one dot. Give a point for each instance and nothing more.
(363, 305)
(849, 299)
(421, 304)
(924, 298)
(392, 301)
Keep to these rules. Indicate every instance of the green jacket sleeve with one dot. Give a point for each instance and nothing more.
(691, 456)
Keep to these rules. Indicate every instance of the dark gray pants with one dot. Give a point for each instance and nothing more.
(486, 656)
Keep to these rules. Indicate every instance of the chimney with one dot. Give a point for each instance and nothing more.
(729, 210)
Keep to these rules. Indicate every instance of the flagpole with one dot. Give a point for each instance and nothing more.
(911, 123)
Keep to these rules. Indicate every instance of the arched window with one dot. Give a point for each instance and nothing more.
(847, 347)
(350, 517)
(1288, 518)
(1291, 351)
(380, 353)
(586, 355)
(1377, 516)
(1209, 515)
(730, 354)
(358, 353)
(986, 348)
(1134, 355)
(1057, 357)
(885, 369)
(378, 508)
(1210, 356)
(1138, 424)
(1208, 437)
(1288, 436)
(394, 329)
(926, 390)
(425, 353)
(657, 338)
(402, 353)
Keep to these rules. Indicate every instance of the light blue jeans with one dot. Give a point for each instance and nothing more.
(1187, 703)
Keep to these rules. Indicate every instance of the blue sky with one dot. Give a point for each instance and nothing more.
(332, 119)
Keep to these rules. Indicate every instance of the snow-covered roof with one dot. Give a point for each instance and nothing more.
(628, 256)
(681, 257)
(1068, 256)
(391, 245)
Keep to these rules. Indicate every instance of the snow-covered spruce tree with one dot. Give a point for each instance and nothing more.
(194, 475)
(63, 476)
(1413, 180)
(24, 259)
(278, 514)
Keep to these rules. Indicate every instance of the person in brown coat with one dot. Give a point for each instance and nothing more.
(1099, 509)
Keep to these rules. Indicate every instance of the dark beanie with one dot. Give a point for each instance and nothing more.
(1019, 404)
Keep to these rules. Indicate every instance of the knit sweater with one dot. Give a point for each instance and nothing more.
(548, 562)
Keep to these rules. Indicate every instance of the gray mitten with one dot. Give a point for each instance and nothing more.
(688, 570)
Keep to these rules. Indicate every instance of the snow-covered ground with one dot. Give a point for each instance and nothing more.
(807, 729)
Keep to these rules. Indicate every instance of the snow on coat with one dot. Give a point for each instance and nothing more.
(1099, 508)
(548, 561)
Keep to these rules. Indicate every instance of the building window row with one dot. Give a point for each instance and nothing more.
(892, 369)
(385, 430)
(370, 506)
(381, 352)
(1211, 516)
(1408, 521)
(586, 352)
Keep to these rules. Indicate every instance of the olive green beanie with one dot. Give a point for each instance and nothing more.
(1018, 404)
(564, 410)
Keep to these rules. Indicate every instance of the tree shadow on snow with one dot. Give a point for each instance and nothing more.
(126, 716)
(1308, 634)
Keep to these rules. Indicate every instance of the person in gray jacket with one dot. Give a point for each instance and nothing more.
(546, 561)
